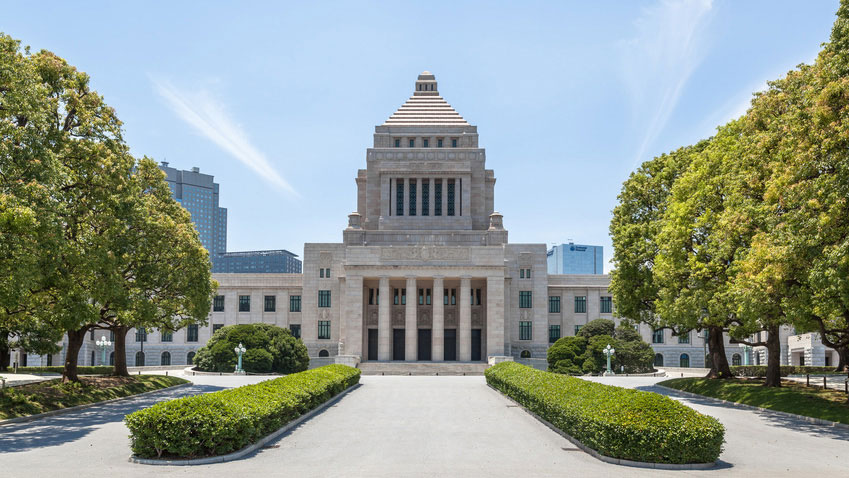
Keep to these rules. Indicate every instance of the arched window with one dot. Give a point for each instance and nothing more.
(684, 361)
(190, 357)
(165, 359)
(111, 358)
(323, 353)
(139, 359)
(525, 354)
(658, 360)
(736, 359)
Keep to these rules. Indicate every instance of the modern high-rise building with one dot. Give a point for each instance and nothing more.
(257, 262)
(575, 259)
(198, 193)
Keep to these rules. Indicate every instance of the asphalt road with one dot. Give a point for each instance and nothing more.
(413, 426)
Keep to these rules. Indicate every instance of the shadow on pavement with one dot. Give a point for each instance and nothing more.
(63, 428)
(773, 419)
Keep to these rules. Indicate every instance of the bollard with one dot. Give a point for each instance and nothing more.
(807, 380)
(682, 374)
(846, 385)
(166, 373)
(139, 372)
(824, 382)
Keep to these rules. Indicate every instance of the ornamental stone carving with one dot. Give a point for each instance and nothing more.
(398, 319)
(449, 319)
(423, 320)
(425, 253)
(476, 320)
(372, 318)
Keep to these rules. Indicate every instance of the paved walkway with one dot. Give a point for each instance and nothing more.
(412, 426)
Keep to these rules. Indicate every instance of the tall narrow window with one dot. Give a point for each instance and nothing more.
(657, 336)
(413, 183)
(244, 303)
(218, 303)
(166, 336)
(323, 329)
(421, 296)
(425, 197)
(445, 298)
(403, 296)
(397, 293)
(581, 304)
(270, 303)
(425, 143)
(453, 296)
(525, 299)
(371, 297)
(294, 303)
(525, 330)
(453, 142)
(141, 335)
(437, 197)
(399, 197)
(427, 297)
(606, 305)
(478, 296)
(412, 142)
(554, 304)
(324, 298)
(450, 211)
(192, 333)
(295, 329)
(397, 142)
(439, 142)
(553, 333)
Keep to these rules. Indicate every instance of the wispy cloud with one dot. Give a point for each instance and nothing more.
(658, 61)
(208, 116)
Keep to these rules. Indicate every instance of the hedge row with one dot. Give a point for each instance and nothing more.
(97, 370)
(760, 370)
(616, 422)
(222, 422)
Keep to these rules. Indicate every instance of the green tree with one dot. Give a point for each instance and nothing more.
(281, 352)
(597, 327)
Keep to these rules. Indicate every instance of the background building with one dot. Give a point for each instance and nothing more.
(266, 262)
(575, 259)
(198, 193)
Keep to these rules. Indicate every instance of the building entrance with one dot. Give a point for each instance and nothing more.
(450, 344)
(372, 344)
(424, 344)
(476, 345)
(398, 344)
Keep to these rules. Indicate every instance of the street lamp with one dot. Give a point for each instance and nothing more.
(608, 351)
(240, 349)
(103, 344)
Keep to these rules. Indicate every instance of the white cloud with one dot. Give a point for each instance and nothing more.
(208, 116)
(657, 62)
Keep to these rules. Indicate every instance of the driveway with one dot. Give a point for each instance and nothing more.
(412, 426)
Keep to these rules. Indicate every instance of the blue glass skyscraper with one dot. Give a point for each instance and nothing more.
(198, 193)
(575, 259)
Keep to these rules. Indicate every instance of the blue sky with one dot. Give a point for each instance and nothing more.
(279, 100)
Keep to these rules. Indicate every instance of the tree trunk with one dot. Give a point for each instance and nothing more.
(843, 359)
(121, 350)
(4, 351)
(773, 359)
(75, 342)
(719, 362)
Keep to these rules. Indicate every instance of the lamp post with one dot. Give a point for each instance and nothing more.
(103, 344)
(240, 349)
(608, 351)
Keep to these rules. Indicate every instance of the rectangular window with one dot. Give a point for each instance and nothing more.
(525, 330)
(413, 183)
(403, 296)
(554, 305)
(216, 328)
(412, 142)
(437, 197)
(521, 273)
(294, 303)
(323, 329)
(553, 333)
(578, 329)
(397, 142)
(581, 304)
(606, 305)
(421, 296)
(244, 303)
(453, 296)
(371, 297)
(270, 303)
(321, 273)
(397, 293)
(453, 142)
(324, 298)
(218, 303)
(478, 296)
(166, 336)
(425, 197)
(295, 329)
(192, 333)
(427, 297)
(525, 299)
(450, 211)
(439, 142)
(684, 338)
(399, 197)
(445, 298)
(657, 336)
(425, 143)
(141, 335)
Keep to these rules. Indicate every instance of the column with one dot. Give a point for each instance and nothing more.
(495, 316)
(384, 322)
(392, 193)
(444, 185)
(465, 333)
(437, 338)
(431, 193)
(411, 325)
(351, 321)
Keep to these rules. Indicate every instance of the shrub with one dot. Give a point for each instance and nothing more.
(287, 354)
(222, 422)
(583, 354)
(616, 422)
(760, 370)
(89, 370)
(597, 327)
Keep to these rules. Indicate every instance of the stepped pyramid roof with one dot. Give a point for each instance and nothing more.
(426, 107)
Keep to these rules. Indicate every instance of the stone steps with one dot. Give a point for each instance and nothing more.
(423, 368)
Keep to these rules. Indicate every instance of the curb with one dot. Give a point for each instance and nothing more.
(248, 449)
(815, 421)
(87, 405)
(605, 458)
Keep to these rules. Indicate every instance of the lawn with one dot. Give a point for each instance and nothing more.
(791, 397)
(54, 395)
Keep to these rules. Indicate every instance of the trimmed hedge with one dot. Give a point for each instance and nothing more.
(760, 370)
(616, 422)
(97, 370)
(222, 422)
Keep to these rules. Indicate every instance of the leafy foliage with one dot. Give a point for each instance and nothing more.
(269, 349)
(95, 370)
(785, 370)
(583, 354)
(222, 422)
(616, 422)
